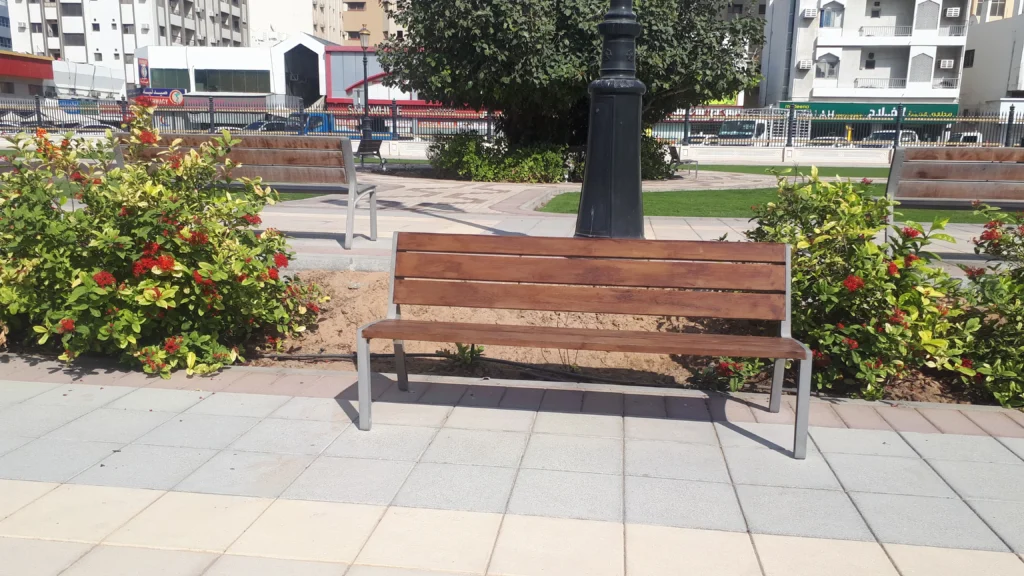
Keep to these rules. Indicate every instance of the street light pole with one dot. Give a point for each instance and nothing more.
(364, 42)
(611, 205)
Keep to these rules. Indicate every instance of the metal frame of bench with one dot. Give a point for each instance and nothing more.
(592, 275)
(953, 178)
(678, 161)
(375, 144)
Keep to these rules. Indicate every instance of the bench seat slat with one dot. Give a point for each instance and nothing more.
(292, 174)
(960, 190)
(252, 156)
(588, 339)
(261, 142)
(954, 154)
(970, 171)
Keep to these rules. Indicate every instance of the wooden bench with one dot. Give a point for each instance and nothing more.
(297, 164)
(371, 148)
(955, 178)
(737, 280)
(677, 161)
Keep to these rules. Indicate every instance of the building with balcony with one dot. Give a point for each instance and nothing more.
(269, 24)
(6, 43)
(882, 51)
(993, 79)
(108, 32)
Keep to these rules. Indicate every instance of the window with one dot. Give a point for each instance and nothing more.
(35, 90)
(400, 34)
(736, 8)
(129, 58)
(248, 81)
(5, 21)
(876, 10)
(70, 9)
(97, 57)
(54, 30)
(74, 39)
(169, 78)
(128, 28)
(996, 7)
(5, 42)
(113, 25)
(353, 35)
(37, 27)
(762, 9)
(831, 17)
(969, 59)
(163, 30)
(6, 87)
(117, 56)
(126, 1)
(869, 62)
(355, 6)
(827, 67)
(95, 26)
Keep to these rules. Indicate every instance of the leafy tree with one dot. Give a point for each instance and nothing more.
(533, 59)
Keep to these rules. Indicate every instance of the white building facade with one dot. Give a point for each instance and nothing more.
(270, 24)
(993, 77)
(6, 41)
(109, 32)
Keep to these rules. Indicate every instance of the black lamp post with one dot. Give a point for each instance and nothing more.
(364, 41)
(611, 205)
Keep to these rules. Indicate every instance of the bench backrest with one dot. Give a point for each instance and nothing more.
(369, 146)
(955, 177)
(637, 277)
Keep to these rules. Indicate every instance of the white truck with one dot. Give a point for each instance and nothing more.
(764, 128)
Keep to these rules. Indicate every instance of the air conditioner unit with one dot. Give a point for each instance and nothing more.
(810, 13)
(953, 12)
(806, 64)
(946, 64)
(144, 28)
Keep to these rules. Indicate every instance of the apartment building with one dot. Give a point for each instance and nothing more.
(6, 43)
(107, 32)
(373, 15)
(994, 67)
(269, 24)
(883, 51)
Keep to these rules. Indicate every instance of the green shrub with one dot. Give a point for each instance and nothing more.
(469, 157)
(654, 163)
(156, 263)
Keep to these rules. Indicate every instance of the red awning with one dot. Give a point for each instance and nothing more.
(26, 66)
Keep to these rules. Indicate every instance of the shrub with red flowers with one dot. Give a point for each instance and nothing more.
(158, 264)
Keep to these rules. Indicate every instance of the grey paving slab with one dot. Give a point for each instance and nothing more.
(579, 424)
(802, 512)
(443, 394)
(567, 495)
(409, 414)
(109, 425)
(660, 459)
(772, 468)
(8, 443)
(229, 565)
(982, 479)
(353, 480)
(383, 441)
(574, 454)
(480, 418)
(143, 466)
(1005, 518)
(14, 392)
(130, 561)
(682, 503)
(158, 400)
(52, 460)
(457, 487)
(888, 475)
(1015, 445)
(199, 431)
(925, 521)
(778, 437)
(239, 404)
(856, 441)
(360, 570)
(961, 447)
(81, 395)
(477, 447)
(290, 436)
(320, 409)
(695, 432)
(35, 420)
(246, 474)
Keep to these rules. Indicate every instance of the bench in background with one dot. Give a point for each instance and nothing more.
(955, 178)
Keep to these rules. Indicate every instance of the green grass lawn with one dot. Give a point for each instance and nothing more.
(736, 204)
(823, 171)
(288, 196)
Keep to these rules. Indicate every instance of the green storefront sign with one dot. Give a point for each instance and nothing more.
(872, 111)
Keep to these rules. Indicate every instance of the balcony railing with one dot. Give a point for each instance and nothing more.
(886, 30)
(960, 30)
(880, 83)
(946, 83)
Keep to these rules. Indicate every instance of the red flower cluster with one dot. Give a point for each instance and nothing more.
(877, 364)
(312, 307)
(272, 274)
(175, 161)
(76, 176)
(253, 219)
(993, 224)
(66, 325)
(992, 234)
(143, 265)
(200, 280)
(150, 249)
(853, 283)
(241, 278)
(147, 137)
(726, 369)
(910, 259)
(851, 343)
(197, 238)
(893, 269)
(104, 279)
(280, 260)
(165, 262)
(967, 363)
(973, 272)
(123, 212)
(866, 181)
(40, 132)
(172, 344)
(943, 309)
(911, 232)
(821, 359)
(840, 326)
(898, 317)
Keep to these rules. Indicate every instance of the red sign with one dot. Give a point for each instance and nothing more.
(143, 71)
(165, 96)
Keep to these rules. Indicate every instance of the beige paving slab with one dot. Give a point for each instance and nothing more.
(860, 416)
(16, 494)
(188, 521)
(78, 513)
(532, 546)
(229, 565)
(793, 556)
(24, 557)
(926, 561)
(995, 423)
(317, 531)
(128, 561)
(951, 421)
(666, 551)
(432, 540)
(906, 419)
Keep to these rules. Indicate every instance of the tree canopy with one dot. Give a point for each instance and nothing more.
(533, 59)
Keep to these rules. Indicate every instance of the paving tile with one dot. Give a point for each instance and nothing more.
(200, 522)
(158, 400)
(1015, 445)
(80, 395)
(759, 408)
(8, 443)
(239, 404)
(432, 540)
(666, 551)
(1015, 415)
(983, 480)
(409, 414)
(659, 459)
(16, 494)
(925, 521)
(23, 557)
(142, 466)
(951, 421)
(693, 409)
(290, 436)
(888, 475)
(1005, 518)
(906, 419)
(478, 418)
(529, 545)
(567, 495)
(383, 441)
(199, 431)
(478, 447)
(443, 394)
(246, 474)
(46, 460)
(527, 399)
(694, 432)
(961, 447)
(995, 423)
(683, 504)
(388, 571)
(457, 487)
(286, 384)
(567, 401)
(802, 512)
(250, 383)
(35, 420)
(352, 480)
(926, 561)
(108, 425)
(855, 441)
(645, 406)
(574, 454)
(791, 556)
(123, 561)
(723, 409)
(318, 409)
(778, 437)
(77, 513)
(14, 392)
(771, 468)
(861, 417)
(229, 565)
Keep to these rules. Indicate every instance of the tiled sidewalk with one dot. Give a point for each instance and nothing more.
(463, 477)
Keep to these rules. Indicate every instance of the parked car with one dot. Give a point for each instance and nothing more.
(965, 139)
(829, 142)
(884, 139)
(702, 140)
(271, 126)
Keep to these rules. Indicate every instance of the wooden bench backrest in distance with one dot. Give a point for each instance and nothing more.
(957, 174)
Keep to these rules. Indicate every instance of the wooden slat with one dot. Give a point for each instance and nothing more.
(313, 158)
(594, 248)
(604, 272)
(263, 142)
(587, 299)
(961, 190)
(588, 339)
(292, 174)
(952, 154)
(971, 171)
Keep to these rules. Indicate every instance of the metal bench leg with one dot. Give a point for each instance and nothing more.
(373, 215)
(363, 368)
(803, 407)
(350, 220)
(775, 404)
(403, 375)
